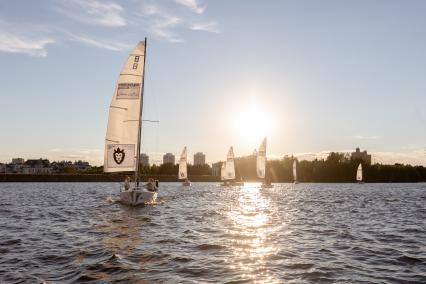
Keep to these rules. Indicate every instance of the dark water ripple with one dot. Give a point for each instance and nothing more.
(304, 233)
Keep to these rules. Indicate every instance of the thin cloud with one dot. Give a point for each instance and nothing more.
(194, 5)
(100, 43)
(160, 20)
(93, 156)
(151, 9)
(108, 14)
(415, 157)
(160, 23)
(14, 43)
(163, 24)
(361, 137)
(163, 28)
(211, 27)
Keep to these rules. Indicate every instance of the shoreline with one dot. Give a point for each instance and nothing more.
(16, 178)
(94, 178)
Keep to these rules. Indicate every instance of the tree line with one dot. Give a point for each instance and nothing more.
(336, 167)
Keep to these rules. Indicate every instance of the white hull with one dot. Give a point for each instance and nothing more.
(137, 197)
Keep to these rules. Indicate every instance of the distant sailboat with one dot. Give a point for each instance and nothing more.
(261, 164)
(229, 168)
(123, 137)
(359, 176)
(227, 171)
(183, 171)
(295, 171)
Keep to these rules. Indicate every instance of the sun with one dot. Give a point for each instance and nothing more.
(252, 123)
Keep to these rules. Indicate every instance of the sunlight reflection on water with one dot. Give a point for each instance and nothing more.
(250, 229)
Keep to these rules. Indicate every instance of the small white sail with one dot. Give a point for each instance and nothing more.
(124, 115)
(359, 173)
(261, 160)
(229, 165)
(183, 174)
(295, 170)
(222, 171)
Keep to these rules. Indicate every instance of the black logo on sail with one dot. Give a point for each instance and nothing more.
(118, 155)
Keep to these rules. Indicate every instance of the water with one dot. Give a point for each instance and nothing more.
(304, 233)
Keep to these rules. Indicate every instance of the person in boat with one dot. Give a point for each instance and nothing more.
(127, 183)
(151, 185)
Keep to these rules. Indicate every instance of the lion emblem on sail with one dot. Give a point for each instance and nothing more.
(119, 155)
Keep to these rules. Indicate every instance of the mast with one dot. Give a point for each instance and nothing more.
(138, 148)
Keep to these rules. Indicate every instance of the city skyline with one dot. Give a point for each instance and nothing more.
(312, 77)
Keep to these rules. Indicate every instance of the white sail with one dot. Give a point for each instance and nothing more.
(295, 170)
(183, 174)
(222, 171)
(359, 173)
(261, 160)
(124, 115)
(229, 165)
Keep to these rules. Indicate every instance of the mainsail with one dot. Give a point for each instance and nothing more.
(261, 160)
(182, 165)
(359, 173)
(295, 170)
(122, 140)
(229, 165)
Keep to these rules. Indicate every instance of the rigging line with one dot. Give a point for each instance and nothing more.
(154, 99)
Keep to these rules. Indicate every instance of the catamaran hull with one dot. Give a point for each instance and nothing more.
(137, 197)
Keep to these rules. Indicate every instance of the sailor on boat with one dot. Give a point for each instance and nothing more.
(127, 183)
(151, 185)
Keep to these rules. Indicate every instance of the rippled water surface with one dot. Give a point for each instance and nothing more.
(303, 233)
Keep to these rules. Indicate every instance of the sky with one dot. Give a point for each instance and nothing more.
(312, 76)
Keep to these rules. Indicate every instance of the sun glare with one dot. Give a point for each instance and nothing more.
(252, 124)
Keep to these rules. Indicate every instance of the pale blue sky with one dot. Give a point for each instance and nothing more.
(330, 75)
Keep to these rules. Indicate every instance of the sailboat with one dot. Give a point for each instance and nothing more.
(183, 171)
(359, 177)
(123, 136)
(295, 171)
(228, 169)
(261, 165)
